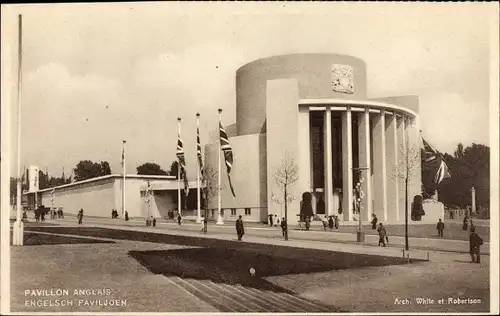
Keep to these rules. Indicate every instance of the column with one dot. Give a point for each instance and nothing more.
(415, 181)
(401, 131)
(347, 172)
(328, 161)
(379, 167)
(304, 151)
(364, 162)
(393, 168)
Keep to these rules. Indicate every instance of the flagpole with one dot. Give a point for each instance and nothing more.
(179, 201)
(198, 218)
(124, 178)
(18, 233)
(220, 221)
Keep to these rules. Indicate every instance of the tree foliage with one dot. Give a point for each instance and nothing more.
(209, 188)
(469, 167)
(87, 169)
(151, 168)
(174, 167)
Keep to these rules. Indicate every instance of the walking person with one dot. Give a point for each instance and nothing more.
(283, 227)
(374, 221)
(153, 221)
(270, 220)
(126, 215)
(325, 223)
(440, 228)
(308, 222)
(382, 234)
(475, 243)
(330, 222)
(80, 216)
(465, 223)
(276, 221)
(42, 213)
(179, 219)
(240, 230)
(336, 222)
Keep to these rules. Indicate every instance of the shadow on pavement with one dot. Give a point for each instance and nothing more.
(219, 265)
(34, 239)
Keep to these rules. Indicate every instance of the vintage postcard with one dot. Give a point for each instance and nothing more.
(234, 157)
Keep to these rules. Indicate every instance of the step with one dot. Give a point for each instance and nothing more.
(293, 302)
(221, 306)
(272, 304)
(215, 292)
(232, 292)
(277, 301)
(255, 299)
(315, 305)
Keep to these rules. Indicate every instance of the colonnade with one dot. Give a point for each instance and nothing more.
(383, 137)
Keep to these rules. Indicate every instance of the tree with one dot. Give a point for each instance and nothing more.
(285, 177)
(405, 170)
(209, 189)
(13, 189)
(105, 168)
(469, 167)
(150, 168)
(174, 169)
(86, 169)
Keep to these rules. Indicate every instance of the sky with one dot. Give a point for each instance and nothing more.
(96, 74)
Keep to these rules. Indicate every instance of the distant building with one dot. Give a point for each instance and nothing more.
(315, 107)
(98, 196)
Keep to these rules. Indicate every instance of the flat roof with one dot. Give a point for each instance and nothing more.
(109, 176)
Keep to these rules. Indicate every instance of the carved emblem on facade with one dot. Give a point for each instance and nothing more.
(342, 79)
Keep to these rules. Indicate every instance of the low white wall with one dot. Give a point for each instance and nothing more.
(96, 198)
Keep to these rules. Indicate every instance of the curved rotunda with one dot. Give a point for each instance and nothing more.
(313, 109)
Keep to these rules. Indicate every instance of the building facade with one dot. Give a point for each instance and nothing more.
(313, 110)
(98, 196)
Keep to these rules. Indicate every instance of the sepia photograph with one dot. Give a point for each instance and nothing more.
(249, 157)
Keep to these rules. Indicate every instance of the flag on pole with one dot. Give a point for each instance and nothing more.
(228, 154)
(182, 164)
(123, 157)
(434, 168)
(198, 151)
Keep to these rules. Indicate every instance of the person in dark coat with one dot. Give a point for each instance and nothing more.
(382, 234)
(336, 222)
(440, 228)
(330, 222)
(374, 221)
(283, 227)
(154, 222)
(126, 216)
(466, 223)
(42, 213)
(475, 243)
(179, 219)
(270, 220)
(240, 230)
(80, 216)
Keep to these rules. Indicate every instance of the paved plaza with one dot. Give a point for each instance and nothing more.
(182, 270)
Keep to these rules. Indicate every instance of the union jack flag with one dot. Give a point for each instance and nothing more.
(182, 163)
(228, 154)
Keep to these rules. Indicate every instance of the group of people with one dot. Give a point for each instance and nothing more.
(333, 221)
(151, 221)
(114, 214)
